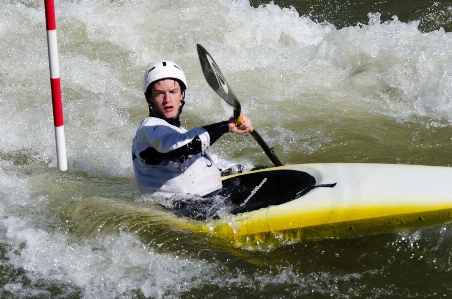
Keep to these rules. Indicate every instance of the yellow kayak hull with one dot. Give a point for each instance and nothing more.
(368, 199)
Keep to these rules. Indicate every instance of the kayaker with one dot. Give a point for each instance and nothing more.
(168, 159)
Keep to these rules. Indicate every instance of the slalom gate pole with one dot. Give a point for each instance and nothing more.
(55, 84)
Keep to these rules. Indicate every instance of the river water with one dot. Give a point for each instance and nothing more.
(324, 81)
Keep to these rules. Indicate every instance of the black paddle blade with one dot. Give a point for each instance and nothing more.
(218, 83)
(215, 78)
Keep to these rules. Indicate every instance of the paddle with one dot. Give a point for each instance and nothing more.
(218, 82)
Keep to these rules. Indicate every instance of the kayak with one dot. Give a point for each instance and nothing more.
(313, 201)
(333, 200)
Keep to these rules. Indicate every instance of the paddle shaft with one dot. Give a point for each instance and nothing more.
(268, 151)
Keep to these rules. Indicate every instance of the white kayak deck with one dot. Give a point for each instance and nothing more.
(368, 198)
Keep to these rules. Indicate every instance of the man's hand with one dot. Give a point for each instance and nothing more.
(243, 127)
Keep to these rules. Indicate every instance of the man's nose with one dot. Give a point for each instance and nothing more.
(166, 96)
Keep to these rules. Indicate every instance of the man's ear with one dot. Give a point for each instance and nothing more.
(150, 106)
(148, 99)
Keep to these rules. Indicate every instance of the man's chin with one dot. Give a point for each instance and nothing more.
(170, 116)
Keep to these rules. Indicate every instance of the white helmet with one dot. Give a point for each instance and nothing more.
(161, 70)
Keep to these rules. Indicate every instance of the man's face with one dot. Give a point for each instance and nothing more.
(166, 98)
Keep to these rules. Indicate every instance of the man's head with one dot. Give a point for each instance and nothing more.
(164, 86)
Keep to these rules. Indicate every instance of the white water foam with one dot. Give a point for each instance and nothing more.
(284, 68)
(120, 265)
(293, 76)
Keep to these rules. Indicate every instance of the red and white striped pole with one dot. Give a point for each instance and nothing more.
(55, 84)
